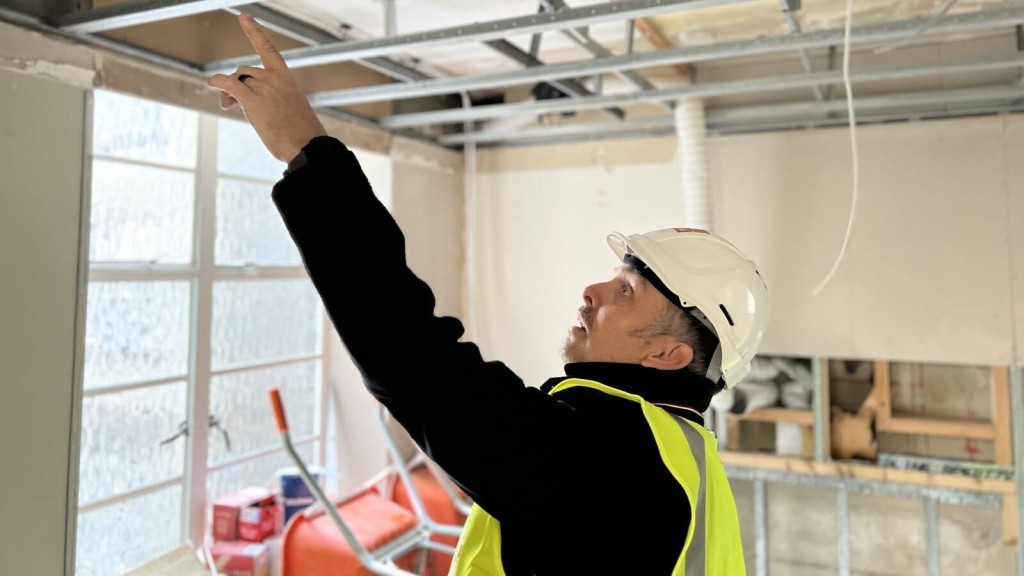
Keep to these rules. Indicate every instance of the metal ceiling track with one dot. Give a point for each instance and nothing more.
(800, 114)
(688, 54)
(710, 90)
(481, 32)
(134, 12)
(82, 27)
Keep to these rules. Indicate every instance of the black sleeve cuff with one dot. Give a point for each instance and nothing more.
(307, 151)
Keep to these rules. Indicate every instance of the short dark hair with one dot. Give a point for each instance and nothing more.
(684, 327)
(677, 322)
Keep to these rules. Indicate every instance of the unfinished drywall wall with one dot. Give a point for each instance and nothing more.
(927, 272)
(543, 214)
(41, 152)
(1014, 135)
(927, 276)
(428, 204)
(427, 201)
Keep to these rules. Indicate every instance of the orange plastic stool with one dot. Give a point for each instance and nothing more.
(315, 547)
(440, 508)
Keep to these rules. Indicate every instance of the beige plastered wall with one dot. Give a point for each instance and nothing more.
(41, 150)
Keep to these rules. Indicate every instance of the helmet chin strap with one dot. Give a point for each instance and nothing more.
(714, 372)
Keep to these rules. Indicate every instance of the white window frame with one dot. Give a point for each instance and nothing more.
(202, 273)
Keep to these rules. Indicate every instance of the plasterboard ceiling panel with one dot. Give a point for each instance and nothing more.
(196, 39)
(214, 35)
(365, 19)
(764, 17)
(367, 16)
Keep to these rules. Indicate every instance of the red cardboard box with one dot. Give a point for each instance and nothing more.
(241, 558)
(257, 523)
(227, 511)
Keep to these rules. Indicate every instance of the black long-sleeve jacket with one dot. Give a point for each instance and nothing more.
(575, 479)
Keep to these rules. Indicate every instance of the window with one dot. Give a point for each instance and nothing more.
(197, 304)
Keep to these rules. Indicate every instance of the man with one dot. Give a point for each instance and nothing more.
(607, 470)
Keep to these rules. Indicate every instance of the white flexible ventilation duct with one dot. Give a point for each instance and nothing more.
(691, 132)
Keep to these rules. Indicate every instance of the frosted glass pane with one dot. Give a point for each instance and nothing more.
(129, 127)
(264, 320)
(249, 228)
(240, 152)
(135, 331)
(121, 434)
(140, 214)
(259, 472)
(118, 538)
(241, 402)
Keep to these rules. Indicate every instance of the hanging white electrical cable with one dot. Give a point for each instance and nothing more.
(853, 149)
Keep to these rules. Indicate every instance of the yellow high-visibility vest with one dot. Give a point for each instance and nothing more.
(690, 453)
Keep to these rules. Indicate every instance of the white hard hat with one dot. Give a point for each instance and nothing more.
(707, 273)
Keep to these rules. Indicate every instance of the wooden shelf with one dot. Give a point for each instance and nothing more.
(790, 415)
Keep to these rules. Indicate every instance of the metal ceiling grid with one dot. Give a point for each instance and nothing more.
(381, 55)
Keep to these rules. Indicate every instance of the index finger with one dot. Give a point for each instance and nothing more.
(271, 58)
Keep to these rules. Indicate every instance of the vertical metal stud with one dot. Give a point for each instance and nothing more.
(1017, 415)
(760, 528)
(931, 509)
(843, 504)
(821, 416)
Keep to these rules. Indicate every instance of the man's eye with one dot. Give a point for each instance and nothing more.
(625, 289)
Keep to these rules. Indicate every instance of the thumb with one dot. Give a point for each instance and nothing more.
(230, 89)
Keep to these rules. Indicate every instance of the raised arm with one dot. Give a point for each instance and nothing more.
(501, 441)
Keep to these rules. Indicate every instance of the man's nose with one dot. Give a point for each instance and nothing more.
(588, 295)
(593, 294)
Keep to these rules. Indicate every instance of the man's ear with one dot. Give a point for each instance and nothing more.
(672, 356)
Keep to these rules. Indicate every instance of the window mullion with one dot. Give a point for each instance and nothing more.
(257, 273)
(202, 321)
(326, 392)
